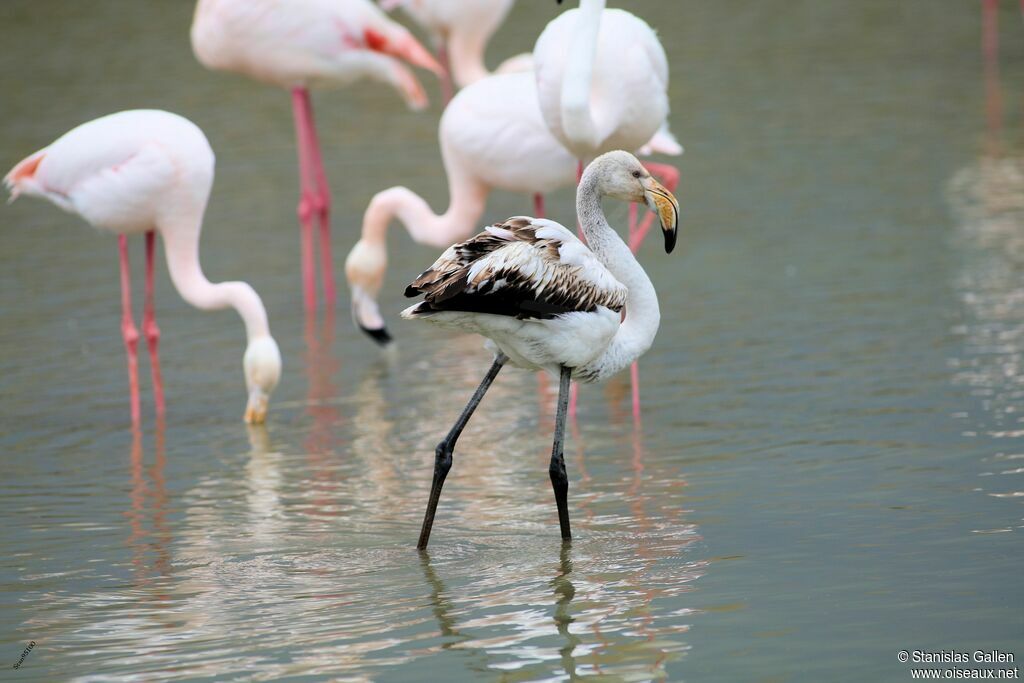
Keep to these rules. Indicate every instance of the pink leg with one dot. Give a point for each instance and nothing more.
(669, 177)
(990, 53)
(128, 331)
(542, 379)
(447, 83)
(321, 207)
(579, 232)
(300, 102)
(990, 28)
(574, 389)
(634, 210)
(634, 370)
(150, 329)
(634, 377)
(574, 395)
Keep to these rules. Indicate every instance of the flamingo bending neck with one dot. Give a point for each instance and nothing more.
(366, 263)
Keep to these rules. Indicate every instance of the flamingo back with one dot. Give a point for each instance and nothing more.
(301, 43)
(629, 92)
(126, 172)
(493, 129)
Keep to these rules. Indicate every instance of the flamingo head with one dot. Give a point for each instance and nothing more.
(364, 269)
(621, 175)
(262, 364)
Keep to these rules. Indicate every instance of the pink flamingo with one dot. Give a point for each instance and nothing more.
(596, 97)
(492, 136)
(460, 30)
(301, 44)
(148, 172)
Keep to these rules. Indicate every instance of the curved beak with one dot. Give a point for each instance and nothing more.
(661, 202)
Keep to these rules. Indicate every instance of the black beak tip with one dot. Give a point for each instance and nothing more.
(670, 241)
(380, 336)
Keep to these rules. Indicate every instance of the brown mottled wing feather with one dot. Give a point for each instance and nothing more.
(510, 270)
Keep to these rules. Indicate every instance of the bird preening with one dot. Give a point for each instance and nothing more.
(545, 301)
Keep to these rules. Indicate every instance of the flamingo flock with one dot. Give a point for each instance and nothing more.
(595, 83)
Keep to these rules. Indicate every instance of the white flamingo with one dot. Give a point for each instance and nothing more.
(602, 83)
(302, 44)
(147, 172)
(547, 302)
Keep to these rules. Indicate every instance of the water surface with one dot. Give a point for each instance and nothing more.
(829, 467)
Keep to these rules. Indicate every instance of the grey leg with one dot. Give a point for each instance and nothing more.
(443, 452)
(559, 480)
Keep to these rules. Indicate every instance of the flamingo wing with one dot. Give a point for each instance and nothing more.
(524, 268)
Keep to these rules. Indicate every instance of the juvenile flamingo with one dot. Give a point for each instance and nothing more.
(148, 172)
(602, 83)
(302, 44)
(546, 301)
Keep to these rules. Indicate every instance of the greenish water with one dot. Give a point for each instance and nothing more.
(831, 463)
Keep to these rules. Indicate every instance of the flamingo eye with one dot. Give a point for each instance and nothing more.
(636, 174)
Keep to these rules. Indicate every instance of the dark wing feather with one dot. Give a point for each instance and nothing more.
(512, 271)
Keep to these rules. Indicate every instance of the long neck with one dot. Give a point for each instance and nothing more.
(466, 205)
(643, 316)
(181, 242)
(577, 121)
(466, 55)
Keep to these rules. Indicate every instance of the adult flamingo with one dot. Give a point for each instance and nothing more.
(602, 84)
(301, 44)
(492, 136)
(147, 172)
(461, 29)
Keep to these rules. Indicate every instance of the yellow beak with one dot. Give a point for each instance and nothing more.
(661, 201)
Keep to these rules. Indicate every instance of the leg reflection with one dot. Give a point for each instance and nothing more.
(565, 591)
(441, 603)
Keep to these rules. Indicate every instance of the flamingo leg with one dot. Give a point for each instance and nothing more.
(129, 332)
(669, 177)
(574, 390)
(579, 228)
(444, 450)
(990, 28)
(321, 206)
(556, 470)
(150, 329)
(307, 193)
(447, 82)
(539, 212)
